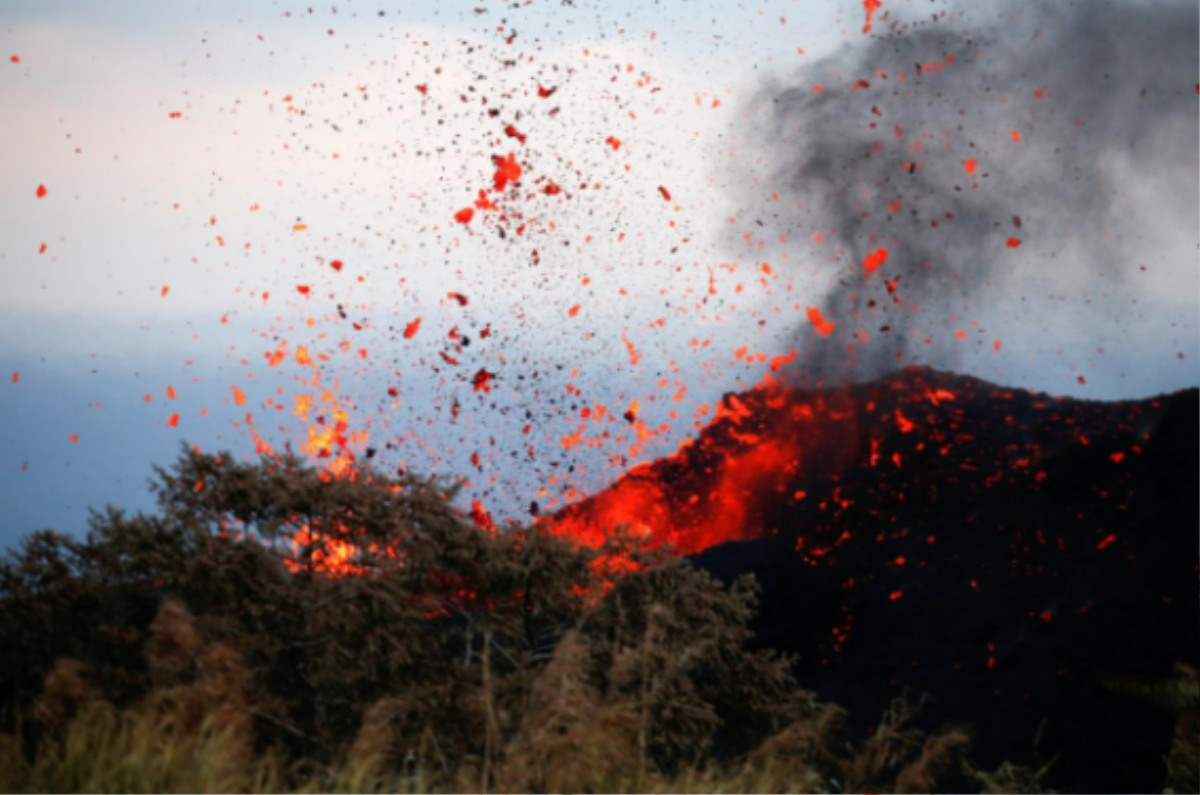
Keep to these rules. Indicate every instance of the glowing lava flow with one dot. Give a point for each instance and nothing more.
(813, 465)
(704, 494)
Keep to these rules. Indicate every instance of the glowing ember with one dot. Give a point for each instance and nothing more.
(824, 327)
(875, 259)
(508, 171)
(870, 7)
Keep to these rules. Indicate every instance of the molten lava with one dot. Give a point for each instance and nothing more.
(794, 462)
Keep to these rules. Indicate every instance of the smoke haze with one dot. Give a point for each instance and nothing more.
(942, 166)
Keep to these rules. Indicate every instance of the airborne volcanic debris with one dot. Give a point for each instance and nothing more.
(919, 169)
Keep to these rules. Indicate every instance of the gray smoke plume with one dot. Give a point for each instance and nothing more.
(1065, 109)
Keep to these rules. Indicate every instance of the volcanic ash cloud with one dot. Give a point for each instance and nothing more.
(947, 165)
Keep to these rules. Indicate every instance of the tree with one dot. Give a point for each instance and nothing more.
(371, 595)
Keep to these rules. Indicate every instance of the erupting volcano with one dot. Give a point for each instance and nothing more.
(806, 464)
(1006, 552)
(890, 307)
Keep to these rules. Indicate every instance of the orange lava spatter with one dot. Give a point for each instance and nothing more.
(875, 259)
(508, 171)
(824, 327)
(870, 7)
(776, 453)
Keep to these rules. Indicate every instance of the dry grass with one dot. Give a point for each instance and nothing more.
(163, 654)
(194, 732)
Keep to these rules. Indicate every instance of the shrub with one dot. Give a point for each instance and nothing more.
(368, 600)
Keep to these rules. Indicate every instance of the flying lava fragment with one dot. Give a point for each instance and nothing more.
(874, 260)
(870, 7)
(482, 381)
(508, 170)
(824, 327)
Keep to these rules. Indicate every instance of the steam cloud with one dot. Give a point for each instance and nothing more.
(1063, 107)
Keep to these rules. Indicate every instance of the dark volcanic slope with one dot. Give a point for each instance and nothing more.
(1004, 552)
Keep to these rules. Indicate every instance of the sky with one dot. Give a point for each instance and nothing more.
(229, 184)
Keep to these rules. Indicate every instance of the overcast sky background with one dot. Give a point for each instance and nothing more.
(288, 117)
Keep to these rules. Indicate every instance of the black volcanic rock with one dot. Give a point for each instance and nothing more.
(1007, 553)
